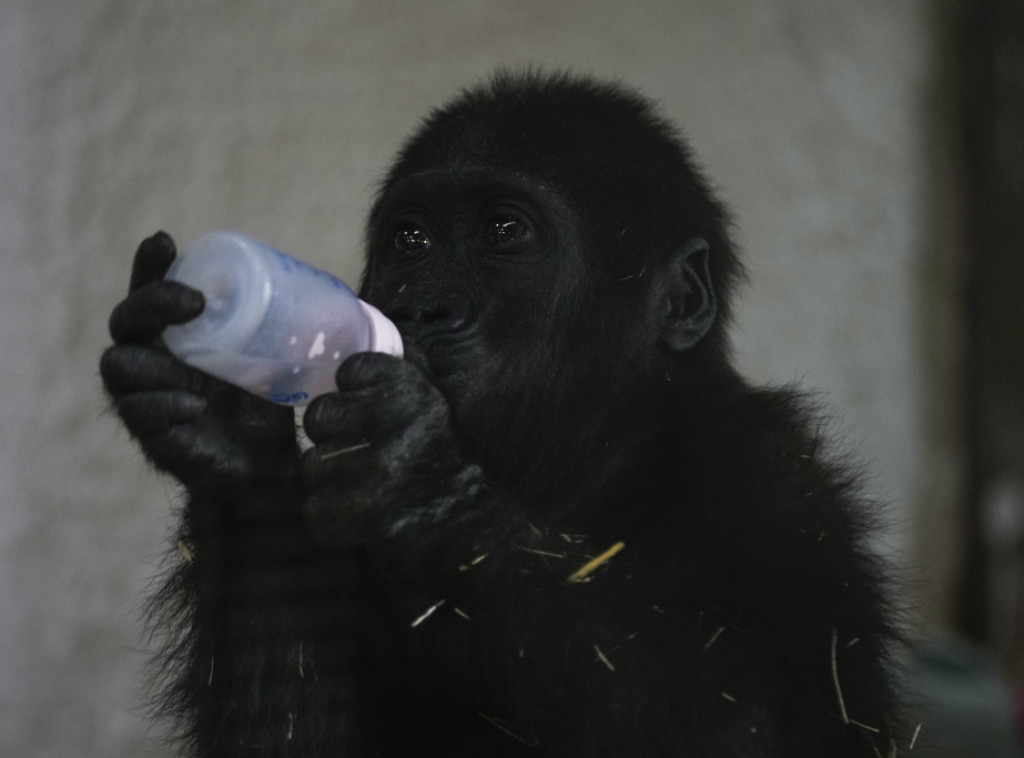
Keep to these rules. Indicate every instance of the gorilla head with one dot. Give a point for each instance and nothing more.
(550, 245)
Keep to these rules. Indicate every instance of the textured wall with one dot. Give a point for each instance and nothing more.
(277, 118)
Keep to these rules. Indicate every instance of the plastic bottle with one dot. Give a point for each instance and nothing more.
(272, 325)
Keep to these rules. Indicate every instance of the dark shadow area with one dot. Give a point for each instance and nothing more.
(991, 138)
(972, 556)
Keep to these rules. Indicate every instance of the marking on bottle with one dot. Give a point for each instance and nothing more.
(317, 347)
(288, 397)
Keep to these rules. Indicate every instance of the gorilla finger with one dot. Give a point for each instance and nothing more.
(140, 368)
(364, 370)
(147, 412)
(403, 386)
(198, 455)
(144, 314)
(337, 462)
(334, 417)
(152, 259)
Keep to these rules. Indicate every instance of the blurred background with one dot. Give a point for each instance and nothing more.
(873, 154)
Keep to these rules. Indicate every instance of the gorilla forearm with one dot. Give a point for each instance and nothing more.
(265, 650)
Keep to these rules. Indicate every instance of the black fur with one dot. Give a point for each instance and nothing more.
(411, 587)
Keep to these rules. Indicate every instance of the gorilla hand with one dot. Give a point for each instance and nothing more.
(212, 436)
(386, 458)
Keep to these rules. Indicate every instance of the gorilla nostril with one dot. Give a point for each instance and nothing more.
(444, 313)
(418, 313)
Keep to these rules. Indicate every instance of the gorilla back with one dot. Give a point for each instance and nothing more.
(564, 526)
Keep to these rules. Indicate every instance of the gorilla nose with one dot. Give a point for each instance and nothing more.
(433, 315)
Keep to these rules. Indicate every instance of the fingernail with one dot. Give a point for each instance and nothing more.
(195, 301)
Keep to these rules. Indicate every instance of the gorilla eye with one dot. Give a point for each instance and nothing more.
(504, 230)
(410, 240)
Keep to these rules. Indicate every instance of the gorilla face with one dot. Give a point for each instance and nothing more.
(474, 267)
(488, 274)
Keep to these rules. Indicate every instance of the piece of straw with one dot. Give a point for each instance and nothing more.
(497, 724)
(835, 678)
(428, 613)
(603, 658)
(589, 567)
(345, 451)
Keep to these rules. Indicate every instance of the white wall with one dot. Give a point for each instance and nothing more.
(277, 118)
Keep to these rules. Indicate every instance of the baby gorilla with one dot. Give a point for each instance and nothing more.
(564, 526)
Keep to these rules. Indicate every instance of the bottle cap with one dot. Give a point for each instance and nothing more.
(384, 335)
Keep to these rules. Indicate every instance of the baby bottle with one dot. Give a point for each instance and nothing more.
(272, 325)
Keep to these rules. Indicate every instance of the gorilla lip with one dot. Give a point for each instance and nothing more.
(445, 350)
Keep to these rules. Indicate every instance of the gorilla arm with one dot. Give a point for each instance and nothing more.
(511, 643)
(255, 593)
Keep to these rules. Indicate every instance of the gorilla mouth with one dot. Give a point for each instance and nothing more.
(446, 350)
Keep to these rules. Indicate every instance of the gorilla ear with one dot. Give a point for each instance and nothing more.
(687, 306)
